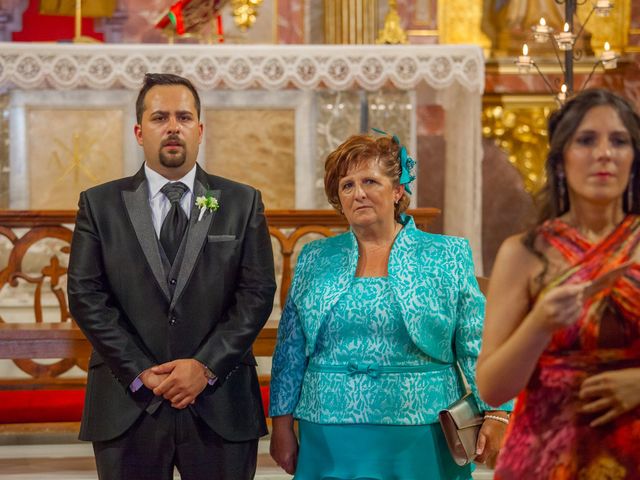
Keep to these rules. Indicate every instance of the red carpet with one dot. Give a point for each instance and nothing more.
(36, 406)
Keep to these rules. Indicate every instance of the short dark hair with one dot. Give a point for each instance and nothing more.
(154, 79)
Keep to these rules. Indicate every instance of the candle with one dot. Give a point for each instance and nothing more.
(603, 8)
(524, 61)
(565, 39)
(562, 96)
(608, 57)
(541, 31)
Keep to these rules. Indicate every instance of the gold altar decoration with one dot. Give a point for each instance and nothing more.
(245, 12)
(350, 21)
(518, 125)
(392, 32)
(79, 9)
(90, 8)
(508, 24)
(459, 22)
(614, 29)
(465, 22)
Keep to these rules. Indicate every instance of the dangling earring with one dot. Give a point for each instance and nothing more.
(562, 190)
(630, 193)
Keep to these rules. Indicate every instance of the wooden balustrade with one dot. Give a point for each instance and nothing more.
(37, 339)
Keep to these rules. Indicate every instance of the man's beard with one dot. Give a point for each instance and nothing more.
(172, 161)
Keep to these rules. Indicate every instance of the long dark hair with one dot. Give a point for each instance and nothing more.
(553, 198)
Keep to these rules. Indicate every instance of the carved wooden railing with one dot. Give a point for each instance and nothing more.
(38, 339)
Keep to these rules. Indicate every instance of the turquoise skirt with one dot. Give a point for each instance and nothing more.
(375, 452)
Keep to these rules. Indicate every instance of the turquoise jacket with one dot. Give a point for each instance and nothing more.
(432, 278)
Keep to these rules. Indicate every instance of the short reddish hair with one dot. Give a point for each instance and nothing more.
(355, 151)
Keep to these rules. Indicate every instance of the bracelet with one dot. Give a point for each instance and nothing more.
(497, 419)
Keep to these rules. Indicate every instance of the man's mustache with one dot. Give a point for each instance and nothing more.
(172, 139)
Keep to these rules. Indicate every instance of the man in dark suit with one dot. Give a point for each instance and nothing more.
(171, 279)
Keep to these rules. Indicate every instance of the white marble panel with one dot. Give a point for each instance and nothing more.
(297, 100)
(22, 101)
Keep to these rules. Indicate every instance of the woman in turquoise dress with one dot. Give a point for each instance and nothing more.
(374, 324)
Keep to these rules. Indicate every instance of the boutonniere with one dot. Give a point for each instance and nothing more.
(206, 202)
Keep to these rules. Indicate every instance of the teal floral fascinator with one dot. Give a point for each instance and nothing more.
(406, 162)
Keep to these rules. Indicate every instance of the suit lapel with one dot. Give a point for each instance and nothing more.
(196, 235)
(136, 202)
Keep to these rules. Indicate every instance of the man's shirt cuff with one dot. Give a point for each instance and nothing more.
(136, 384)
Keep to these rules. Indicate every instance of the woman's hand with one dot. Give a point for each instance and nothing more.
(490, 439)
(284, 444)
(562, 305)
(559, 308)
(610, 394)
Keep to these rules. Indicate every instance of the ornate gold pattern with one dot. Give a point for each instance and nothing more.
(519, 126)
(245, 12)
(392, 32)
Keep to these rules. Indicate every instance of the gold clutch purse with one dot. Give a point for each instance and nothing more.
(461, 423)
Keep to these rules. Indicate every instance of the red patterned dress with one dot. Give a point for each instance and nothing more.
(548, 438)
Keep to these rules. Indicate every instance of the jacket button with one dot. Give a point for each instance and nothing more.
(172, 321)
(173, 281)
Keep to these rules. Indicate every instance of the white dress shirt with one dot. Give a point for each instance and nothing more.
(159, 202)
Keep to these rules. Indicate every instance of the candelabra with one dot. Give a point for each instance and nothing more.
(565, 41)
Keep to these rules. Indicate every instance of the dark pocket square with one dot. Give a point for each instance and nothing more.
(220, 238)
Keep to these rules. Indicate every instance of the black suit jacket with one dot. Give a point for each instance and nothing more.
(119, 296)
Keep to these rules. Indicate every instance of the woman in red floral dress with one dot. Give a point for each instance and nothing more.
(562, 329)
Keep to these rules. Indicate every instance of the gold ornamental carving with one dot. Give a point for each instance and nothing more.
(350, 21)
(459, 21)
(245, 12)
(392, 33)
(519, 127)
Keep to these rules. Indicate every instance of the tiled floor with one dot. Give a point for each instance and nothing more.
(74, 461)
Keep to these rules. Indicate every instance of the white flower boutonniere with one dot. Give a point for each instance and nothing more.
(206, 202)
